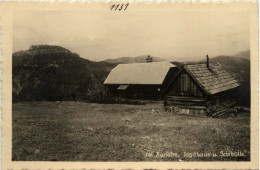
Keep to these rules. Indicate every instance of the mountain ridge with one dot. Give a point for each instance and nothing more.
(54, 73)
(47, 72)
(138, 59)
(141, 59)
(244, 54)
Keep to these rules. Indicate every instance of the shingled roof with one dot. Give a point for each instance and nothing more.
(152, 73)
(213, 79)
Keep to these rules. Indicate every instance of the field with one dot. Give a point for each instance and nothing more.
(78, 131)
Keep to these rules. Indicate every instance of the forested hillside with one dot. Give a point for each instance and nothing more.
(54, 73)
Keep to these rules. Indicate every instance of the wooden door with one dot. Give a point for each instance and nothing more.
(185, 84)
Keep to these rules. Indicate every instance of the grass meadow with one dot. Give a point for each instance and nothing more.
(78, 131)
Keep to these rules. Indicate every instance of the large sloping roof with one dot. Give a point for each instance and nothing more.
(152, 73)
(213, 79)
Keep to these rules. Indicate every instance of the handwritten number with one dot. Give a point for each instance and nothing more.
(121, 7)
(112, 7)
(126, 5)
(118, 7)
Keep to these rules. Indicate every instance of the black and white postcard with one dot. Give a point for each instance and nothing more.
(129, 85)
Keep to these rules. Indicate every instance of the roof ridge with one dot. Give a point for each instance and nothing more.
(150, 63)
(139, 73)
(212, 62)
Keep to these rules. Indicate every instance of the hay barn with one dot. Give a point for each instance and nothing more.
(201, 89)
(140, 80)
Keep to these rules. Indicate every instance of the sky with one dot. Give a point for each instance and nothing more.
(102, 34)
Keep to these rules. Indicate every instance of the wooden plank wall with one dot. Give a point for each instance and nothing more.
(228, 106)
(198, 107)
(185, 85)
(186, 105)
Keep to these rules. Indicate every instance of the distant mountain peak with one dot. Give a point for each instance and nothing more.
(244, 55)
(138, 59)
(47, 72)
(48, 47)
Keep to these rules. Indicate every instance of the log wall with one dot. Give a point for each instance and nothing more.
(198, 106)
(186, 105)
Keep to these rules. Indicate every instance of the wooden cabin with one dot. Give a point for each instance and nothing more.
(140, 80)
(201, 89)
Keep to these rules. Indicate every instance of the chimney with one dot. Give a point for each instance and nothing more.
(207, 61)
(149, 59)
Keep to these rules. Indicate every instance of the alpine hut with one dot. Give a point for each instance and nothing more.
(140, 80)
(201, 89)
